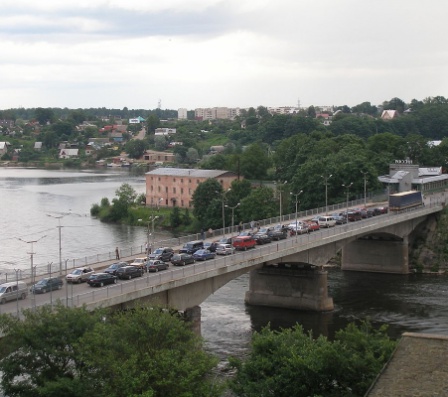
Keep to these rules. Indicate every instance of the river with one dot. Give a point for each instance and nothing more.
(30, 199)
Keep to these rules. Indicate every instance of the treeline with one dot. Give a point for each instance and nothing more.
(152, 352)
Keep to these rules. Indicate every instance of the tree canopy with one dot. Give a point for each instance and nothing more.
(291, 363)
(70, 352)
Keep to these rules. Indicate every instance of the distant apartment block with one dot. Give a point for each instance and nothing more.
(182, 113)
(216, 113)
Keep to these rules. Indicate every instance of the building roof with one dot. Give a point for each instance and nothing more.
(418, 367)
(194, 173)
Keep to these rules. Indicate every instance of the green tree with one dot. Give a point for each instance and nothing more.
(40, 352)
(152, 122)
(44, 116)
(260, 204)
(207, 202)
(135, 148)
(255, 162)
(291, 363)
(160, 356)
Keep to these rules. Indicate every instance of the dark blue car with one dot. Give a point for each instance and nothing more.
(203, 255)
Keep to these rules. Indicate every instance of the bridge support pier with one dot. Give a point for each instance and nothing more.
(193, 316)
(290, 288)
(376, 255)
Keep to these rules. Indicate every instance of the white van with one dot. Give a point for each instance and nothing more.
(12, 291)
(326, 221)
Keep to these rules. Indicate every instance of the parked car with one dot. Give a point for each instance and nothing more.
(128, 272)
(211, 246)
(203, 255)
(278, 233)
(154, 265)
(340, 219)
(139, 262)
(101, 279)
(182, 259)
(354, 216)
(380, 210)
(224, 249)
(191, 247)
(112, 269)
(79, 275)
(46, 284)
(265, 230)
(226, 240)
(326, 221)
(163, 253)
(261, 238)
(313, 226)
(299, 229)
(247, 233)
(243, 243)
(12, 291)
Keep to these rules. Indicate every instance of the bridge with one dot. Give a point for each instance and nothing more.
(288, 273)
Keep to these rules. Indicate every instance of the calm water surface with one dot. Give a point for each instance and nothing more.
(27, 197)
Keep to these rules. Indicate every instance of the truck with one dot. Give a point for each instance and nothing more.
(404, 200)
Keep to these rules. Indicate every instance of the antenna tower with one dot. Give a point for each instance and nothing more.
(159, 104)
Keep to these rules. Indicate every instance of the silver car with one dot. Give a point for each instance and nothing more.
(224, 249)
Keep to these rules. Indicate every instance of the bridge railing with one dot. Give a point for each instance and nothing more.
(151, 280)
(133, 251)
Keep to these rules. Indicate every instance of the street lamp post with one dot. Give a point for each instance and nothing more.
(60, 240)
(326, 178)
(223, 198)
(347, 186)
(33, 268)
(279, 188)
(297, 205)
(233, 213)
(365, 187)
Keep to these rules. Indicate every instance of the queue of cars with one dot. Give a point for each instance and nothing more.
(193, 251)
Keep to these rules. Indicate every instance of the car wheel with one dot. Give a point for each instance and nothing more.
(3, 301)
(129, 277)
(23, 296)
(101, 284)
(115, 281)
(79, 281)
(60, 286)
(44, 290)
(183, 263)
(157, 269)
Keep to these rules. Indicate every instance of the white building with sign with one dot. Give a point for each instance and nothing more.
(404, 176)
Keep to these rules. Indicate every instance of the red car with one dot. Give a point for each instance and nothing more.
(312, 226)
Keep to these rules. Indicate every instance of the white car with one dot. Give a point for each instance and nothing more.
(224, 249)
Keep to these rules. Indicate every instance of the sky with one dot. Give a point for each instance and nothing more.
(233, 53)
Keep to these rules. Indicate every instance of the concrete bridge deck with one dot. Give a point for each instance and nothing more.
(185, 287)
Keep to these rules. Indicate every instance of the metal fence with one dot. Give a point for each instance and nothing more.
(55, 268)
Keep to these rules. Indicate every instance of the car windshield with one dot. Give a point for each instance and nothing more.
(114, 266)
(158, 251)
(138, 260)
(2, 289)
(77, 271)
(42, 282)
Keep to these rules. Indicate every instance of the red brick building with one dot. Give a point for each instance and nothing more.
(169, 187)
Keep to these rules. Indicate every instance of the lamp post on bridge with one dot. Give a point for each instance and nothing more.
(326, 178)
(297, 204)
(347, 186)
(223, 198)
(32, 268)
(233, 213)
(364, 173)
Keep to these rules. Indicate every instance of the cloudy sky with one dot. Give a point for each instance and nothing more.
(235, 53)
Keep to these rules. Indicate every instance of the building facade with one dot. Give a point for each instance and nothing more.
(404, 176)
(170, 187)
